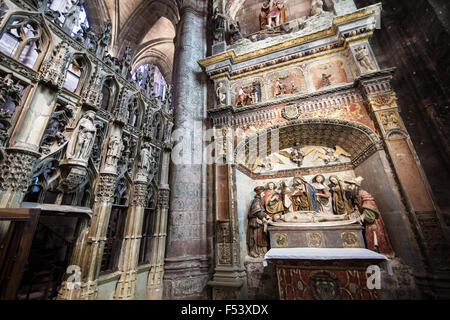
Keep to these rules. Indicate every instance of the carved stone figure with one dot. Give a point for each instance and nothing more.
(272, 200)
(9, 89)
(104, 39)
(82, 141)
(221, 94)
(257, 239)
(235, 32)
(219, 25)
(114, 149)
(126, 60)
(273, 14)
(375, 231)
(54, 70)
(145, 162)
(339, 200)
(363, 56)
(303, 196)
(323, 195)
(297, 155)
(256, 92)
(316, 7)
(72, 14)
(168, 132)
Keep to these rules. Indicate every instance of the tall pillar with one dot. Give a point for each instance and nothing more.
(186, 267)
(88, 252)
(23, 150)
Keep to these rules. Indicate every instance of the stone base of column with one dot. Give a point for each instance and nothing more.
(84, 291)
(126, 286)
(229, 283)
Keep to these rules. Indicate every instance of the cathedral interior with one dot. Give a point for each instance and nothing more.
(224, 149)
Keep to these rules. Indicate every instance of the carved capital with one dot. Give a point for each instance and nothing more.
(164, 198)
(16, 170)
(140, 195)
(106, 187)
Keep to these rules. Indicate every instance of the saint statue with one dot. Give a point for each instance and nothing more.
(114, 149)
(273, 200)
(304, 195)
(221, 94)
(257, 238)
(338, 198)
(375, 231)
(363, 57)
(323, 196)
(273, 14)
(83, 138)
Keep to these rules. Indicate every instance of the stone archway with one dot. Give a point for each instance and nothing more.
(357, 139)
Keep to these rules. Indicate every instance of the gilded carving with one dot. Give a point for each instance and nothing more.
(350, 240)
(281, 240)
(314, 240)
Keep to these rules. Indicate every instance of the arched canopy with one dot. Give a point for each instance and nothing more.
(359, 140)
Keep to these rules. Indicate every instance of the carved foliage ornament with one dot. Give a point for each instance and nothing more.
(16, 170)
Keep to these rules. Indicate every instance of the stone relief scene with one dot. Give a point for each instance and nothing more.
(224, 150)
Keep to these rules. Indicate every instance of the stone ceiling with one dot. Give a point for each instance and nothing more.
(149, 25)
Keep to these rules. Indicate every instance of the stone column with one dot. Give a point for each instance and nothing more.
(186, 269)
(88, 252)
(158, 247)
(23, 150)
(129, 254)
(412, 180)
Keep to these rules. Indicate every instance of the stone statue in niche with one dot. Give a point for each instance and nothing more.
(257, 237)
(114, 149)
(221, 94)
(323, 195)
(273, 14)
(82, 141)
(243, 98)
(219, 25)
(316, 7)
(273, 200)
(375, 231)
(363, 56)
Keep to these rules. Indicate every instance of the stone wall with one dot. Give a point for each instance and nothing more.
(414, 38)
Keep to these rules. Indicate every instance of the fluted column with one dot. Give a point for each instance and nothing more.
(186, 268)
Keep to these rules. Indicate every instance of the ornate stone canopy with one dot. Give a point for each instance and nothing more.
(359, 140)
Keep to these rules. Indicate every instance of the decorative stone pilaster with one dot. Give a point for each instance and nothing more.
(413, 182)
(186, 268)
(88, 252)
(129, 254)
(158, 247)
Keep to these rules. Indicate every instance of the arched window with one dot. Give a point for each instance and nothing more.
(22, 39)
(134, 112)
(109, 93)
(151, 80)
(76, 74)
